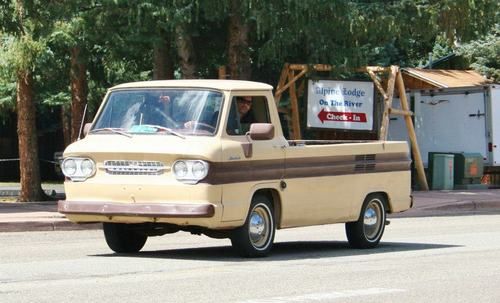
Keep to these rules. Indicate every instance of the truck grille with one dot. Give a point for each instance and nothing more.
(134, 167)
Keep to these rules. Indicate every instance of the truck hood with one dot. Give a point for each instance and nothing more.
(117, 145)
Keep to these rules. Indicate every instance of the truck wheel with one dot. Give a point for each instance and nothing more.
(122, 239)
(255, 238)
(368, 230)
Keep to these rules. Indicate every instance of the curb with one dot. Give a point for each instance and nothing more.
(14, 193)
(469, 206)
(453, 208)
(60, 225)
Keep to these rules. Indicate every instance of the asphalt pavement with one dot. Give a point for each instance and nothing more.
(43, 216)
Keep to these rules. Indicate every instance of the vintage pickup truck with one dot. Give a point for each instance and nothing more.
(165, 156)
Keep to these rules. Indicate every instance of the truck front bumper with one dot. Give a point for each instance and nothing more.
(156, 210)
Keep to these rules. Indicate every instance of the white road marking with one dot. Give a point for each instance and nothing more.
(323, 296)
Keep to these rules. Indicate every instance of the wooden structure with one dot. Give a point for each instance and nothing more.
(291, 73)
(418, 78)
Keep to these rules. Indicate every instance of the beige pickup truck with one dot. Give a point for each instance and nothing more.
(209, 157)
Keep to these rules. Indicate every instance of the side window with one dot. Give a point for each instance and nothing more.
(244, 111)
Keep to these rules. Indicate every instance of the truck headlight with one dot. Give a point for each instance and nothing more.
(87, 167)
(190, 171)
(69, 167)
(78, 169)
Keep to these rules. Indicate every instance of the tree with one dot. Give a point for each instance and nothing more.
(238, 43)
(185, 51)
(78, 77)
(163, 67)
(358, 33)
(23, 53)
(147, 23)
(67, 41)
(484, 53)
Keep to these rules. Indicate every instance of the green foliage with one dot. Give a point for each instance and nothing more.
(58, 99)
(7, 79)
(356, 33)
(484, 54)
(24, 52)
(7, 100)
(117, 37)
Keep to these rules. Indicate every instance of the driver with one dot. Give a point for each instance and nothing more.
(245, 112)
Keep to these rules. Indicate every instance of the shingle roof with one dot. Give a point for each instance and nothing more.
(447, 78)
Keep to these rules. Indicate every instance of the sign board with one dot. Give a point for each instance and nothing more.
(340, 104)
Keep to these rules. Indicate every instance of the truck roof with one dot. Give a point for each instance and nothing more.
(198, 83)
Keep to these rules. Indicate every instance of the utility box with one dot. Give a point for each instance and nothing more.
(469, 169)
(442, 171)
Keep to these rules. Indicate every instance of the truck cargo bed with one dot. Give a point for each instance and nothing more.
(325, 142)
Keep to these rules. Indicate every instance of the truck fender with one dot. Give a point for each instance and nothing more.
(356, 209)
(272, 190)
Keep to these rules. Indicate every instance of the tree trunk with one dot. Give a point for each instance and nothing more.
(237, 50)
(163, 67)
(66, 124)
(78, 76)
(29, 165)
(185, 50)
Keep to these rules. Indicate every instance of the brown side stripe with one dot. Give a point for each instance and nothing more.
(244, 171)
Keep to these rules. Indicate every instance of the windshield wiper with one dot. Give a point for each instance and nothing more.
(168, 130)
(113, 130)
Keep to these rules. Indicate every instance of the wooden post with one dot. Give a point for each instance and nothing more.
(292, 80)
(300, 90)
(377, 83)
(419, 166)
(298, 66)
(281, 83)
(294, 104)
(388, 103)
(395, 111)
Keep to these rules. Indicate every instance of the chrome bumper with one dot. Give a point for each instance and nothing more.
(156, 210)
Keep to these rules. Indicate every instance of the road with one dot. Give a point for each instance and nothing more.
(432, 259)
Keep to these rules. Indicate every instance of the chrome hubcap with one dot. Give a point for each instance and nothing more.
(372, 220)
(259, 227)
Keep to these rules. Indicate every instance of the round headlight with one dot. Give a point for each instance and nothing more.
(69, 167)
(199, 170)
(180, 169)
(87, 167)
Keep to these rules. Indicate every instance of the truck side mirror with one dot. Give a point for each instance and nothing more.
(86, 129)
(257, 132)
(261, 131)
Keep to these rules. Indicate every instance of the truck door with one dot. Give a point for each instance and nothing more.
(494, 138)
(246, 172)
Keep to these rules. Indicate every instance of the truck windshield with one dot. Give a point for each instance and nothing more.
(160, 111)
